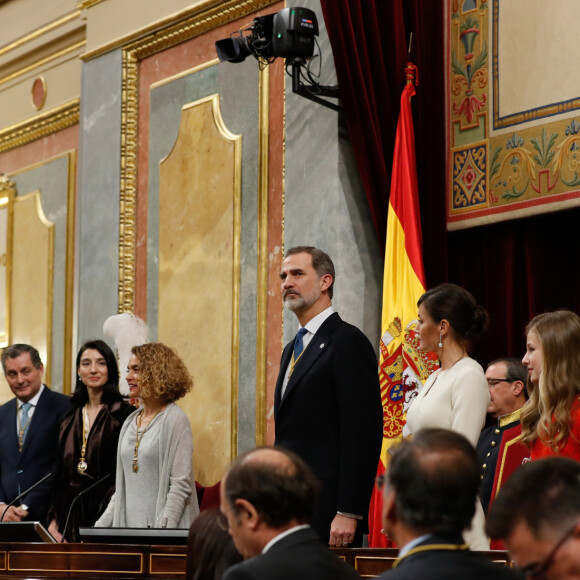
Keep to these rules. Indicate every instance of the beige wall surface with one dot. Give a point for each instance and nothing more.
(26, 16)
(110, 20)
(536, 66)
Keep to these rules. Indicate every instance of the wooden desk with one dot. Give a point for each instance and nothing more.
(91, 561)
(370, 562)
(146, 561)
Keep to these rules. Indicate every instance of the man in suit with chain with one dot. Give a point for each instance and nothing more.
(29, 427)
(327, 406)
(429, 496)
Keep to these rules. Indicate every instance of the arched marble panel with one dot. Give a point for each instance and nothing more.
(198, 290)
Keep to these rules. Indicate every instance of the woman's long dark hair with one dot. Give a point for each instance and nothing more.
(210, 548)
(111, 392)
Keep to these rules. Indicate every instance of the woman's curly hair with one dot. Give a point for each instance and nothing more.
(162, 374)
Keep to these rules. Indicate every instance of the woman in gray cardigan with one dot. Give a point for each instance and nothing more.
(155, 485)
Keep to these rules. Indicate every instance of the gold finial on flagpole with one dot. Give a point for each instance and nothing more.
(411, 70)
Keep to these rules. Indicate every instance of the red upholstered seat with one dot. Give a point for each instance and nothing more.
(208, 497)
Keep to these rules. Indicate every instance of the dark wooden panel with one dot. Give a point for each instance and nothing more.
(167, 563)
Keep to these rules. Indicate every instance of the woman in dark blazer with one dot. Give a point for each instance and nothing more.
(88, 441)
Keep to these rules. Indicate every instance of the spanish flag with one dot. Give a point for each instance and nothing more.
(402, 369)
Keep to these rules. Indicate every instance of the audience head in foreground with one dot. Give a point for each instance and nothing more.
(537, 515)
(431, 486)
(210, 549)
(267, 497)
(430, 491)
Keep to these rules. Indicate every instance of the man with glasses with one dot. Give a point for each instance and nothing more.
(506, 378)
(537, 515)
(429, 496)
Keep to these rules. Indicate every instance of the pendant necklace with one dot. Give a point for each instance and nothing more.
(139, 437)
(82, 464)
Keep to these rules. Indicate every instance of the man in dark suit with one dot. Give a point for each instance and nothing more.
(327, 405)
(430, 491)
(29, 426)
(507, 379)
(267, 497)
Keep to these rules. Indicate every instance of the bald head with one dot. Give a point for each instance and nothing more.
(279, 485)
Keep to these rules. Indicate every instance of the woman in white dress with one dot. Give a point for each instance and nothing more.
(456, 395)
(154, 485)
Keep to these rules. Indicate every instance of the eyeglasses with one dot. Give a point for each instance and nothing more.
(380, 481)
(539, 570)
(493, 382)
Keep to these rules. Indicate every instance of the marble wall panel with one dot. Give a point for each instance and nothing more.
(98, 199)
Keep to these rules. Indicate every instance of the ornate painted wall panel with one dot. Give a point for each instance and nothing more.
(512, 102)
(199, 251)
(40, 230)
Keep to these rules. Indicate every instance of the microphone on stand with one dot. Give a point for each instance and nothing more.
(70, 509)
(21, 495)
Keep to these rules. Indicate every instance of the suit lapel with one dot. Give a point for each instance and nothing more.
(12, 407)
(318, 345)
(285, 361)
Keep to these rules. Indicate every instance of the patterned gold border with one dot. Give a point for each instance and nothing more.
(39, 126)
(69, 293)
(262, 294)
(8, 192)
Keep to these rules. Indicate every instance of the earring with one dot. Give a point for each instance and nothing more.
(440, 345)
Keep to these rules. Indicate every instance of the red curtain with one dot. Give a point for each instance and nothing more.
(518, 269)
(369, 40)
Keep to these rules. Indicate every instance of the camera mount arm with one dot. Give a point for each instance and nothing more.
(299, 88)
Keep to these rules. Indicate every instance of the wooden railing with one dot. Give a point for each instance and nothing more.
(37, 560)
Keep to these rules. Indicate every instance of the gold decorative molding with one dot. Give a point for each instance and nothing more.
(40, 32)
(7, 194)
(198, 21)
(262, 293)
(69, 296)
(39, 126)
(185, 25)
(39, 63)
(83, 4)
